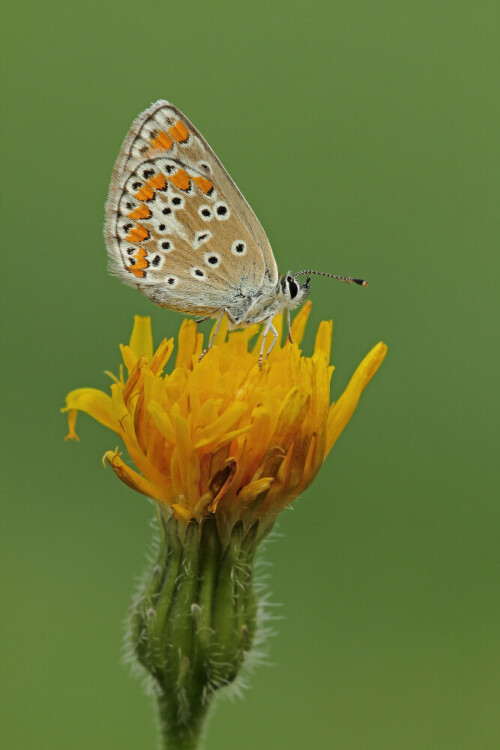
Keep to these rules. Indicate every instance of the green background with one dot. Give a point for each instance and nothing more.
(365, 135)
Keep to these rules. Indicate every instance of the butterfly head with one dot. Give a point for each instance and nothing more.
(293, 292)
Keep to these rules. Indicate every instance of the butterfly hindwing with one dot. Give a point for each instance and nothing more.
(177, 226)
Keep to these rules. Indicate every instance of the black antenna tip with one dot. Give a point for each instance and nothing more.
(361, 282)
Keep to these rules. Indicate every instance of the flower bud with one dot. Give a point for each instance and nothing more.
(194, 620)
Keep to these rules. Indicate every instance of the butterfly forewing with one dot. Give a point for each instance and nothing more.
(177, 226)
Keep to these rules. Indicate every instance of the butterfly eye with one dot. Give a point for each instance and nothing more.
(206, 213)
(222, 211)
(294, 289)
(239, 247)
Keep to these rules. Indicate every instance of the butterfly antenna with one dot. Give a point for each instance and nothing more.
(347, 279)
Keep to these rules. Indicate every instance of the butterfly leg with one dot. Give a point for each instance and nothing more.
(202, 320)
(267, 328)
(214, 334)
(289, 326)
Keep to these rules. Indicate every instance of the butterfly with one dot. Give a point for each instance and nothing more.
(179, 230)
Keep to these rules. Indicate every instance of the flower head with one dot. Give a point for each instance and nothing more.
(221, 435)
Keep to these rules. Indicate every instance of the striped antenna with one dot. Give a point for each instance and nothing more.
(347, 279)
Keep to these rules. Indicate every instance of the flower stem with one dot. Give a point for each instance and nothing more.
(193, 621)
(177, 736)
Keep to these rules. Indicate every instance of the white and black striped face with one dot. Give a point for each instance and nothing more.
(293, 292)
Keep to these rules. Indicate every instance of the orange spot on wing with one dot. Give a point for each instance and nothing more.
(140, 263)
(204, 184)
(179, 132)
(141, 212)
(180, 179)
(144, 194)
(157, 182)
(137, 234)
(162, 142)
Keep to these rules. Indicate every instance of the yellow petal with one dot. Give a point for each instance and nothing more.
(162, 421)
(128, 356)
(222, 332)
(292, 412)
(93, 402)
(221, 425)
(112, 376)
(243, 337)
(133, 379)
(323, 341)
(253, 490)
(299, 322)
(141, 340)
(183, 447)
(161, 356)
(71, 425)
(341, 412)
(278, 324)
(187, 344)
(221, 483)
(127, 431)
(224, 438)
(321, 386)
(181, 513)
(199, 344)
(133, 479)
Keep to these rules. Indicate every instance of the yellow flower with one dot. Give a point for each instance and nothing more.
(221, 435)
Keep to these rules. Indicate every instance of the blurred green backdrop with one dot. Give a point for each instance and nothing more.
(365, 136)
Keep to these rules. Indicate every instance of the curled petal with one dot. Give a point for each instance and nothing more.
(133, 479)
(93, 402)
(72, 415)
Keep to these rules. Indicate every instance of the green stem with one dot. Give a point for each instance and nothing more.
(174, 735)
(194, 620)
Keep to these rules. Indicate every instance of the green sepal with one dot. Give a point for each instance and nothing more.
(194, 620)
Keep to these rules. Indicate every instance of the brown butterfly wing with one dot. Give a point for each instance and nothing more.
(177, 226)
